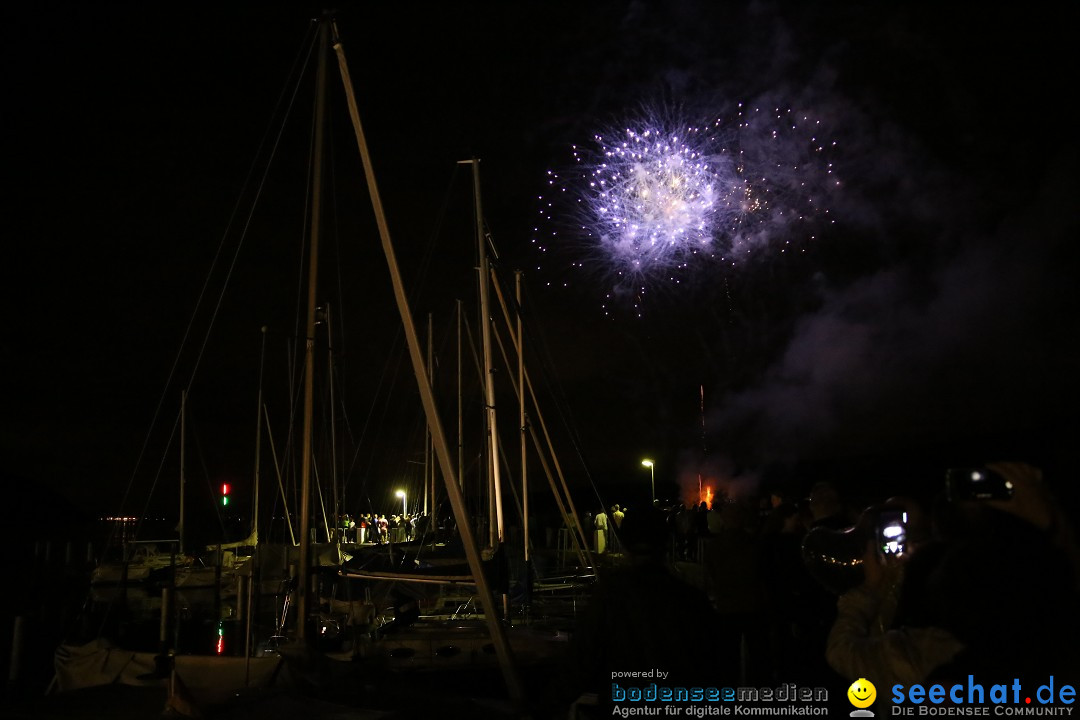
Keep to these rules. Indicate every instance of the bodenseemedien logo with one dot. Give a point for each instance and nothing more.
(862, 695)
(672, 700)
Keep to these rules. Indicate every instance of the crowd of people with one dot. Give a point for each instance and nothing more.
(805, 589)
(380, 529)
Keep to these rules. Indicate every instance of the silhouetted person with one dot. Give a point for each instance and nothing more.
(786, 587)
(602, 531)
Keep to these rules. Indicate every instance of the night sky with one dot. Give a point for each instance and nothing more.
(933, 323)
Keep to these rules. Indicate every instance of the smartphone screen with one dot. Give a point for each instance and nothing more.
(892, 533)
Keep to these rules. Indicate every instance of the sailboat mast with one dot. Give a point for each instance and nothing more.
(489, 376)
(249, 600)
(521, 418)
(339, 500)
(183, 477)
(460, 406)
(429, 451)
(309, 340)
(258, 440)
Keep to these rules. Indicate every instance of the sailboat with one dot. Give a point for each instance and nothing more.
(169, 562)
(151, 599)
(138, 561)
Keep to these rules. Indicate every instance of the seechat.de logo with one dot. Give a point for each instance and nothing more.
(1051, 697)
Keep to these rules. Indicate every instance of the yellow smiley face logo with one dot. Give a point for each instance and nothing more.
(862, 693)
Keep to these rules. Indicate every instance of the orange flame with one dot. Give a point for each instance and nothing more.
(705, 495)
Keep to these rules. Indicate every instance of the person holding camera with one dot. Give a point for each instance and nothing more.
(992, 594)
(867, 638)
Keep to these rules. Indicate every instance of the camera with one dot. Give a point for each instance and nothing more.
(890, 532)
(977, 483)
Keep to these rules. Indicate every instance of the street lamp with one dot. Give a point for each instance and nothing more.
(652, 475)
(404, 503)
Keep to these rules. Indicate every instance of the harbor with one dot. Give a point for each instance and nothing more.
(538, 361)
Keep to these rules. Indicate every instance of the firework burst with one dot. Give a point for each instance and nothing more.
(659, 200)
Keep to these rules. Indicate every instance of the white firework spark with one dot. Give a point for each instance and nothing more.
(656, 197)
